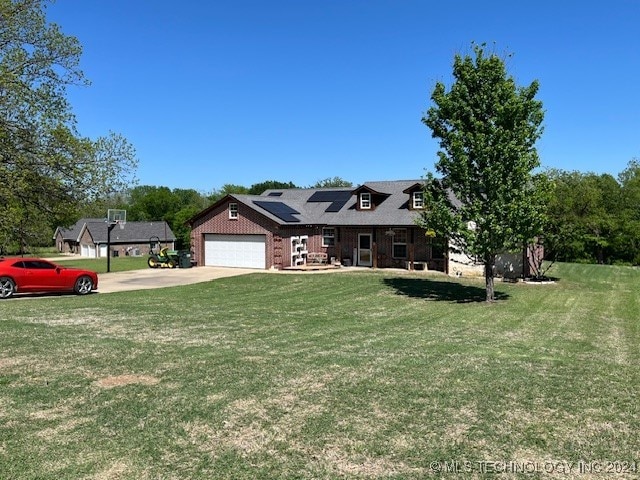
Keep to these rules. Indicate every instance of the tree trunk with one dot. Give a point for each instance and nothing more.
(488, 277)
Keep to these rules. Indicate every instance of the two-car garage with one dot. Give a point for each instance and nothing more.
(243, 251)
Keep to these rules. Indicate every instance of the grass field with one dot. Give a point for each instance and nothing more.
(99, 265)
(350, 375)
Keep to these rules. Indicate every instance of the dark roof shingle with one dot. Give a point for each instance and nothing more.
(133, 232)
(337, 206)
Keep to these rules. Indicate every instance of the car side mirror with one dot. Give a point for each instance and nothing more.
(58, 270)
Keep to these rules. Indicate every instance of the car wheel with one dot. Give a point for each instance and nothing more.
(7, 287)
(83, 285)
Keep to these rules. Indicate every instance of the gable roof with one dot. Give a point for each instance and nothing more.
(74, 232)
(133, 232)
(392, 209)
(416, 187)
(330, 206)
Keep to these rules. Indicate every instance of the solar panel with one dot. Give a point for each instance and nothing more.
(274, 194)
(335, 206)
(337, 198)
(330, 196)
(281, 210)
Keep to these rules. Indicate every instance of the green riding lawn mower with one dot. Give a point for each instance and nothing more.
(162, 257)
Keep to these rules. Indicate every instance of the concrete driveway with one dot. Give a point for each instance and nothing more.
(163, 277)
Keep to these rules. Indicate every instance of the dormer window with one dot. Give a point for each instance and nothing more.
(368, 198)
(416, 196)
(365, 201)
(417, 200)
(233, 211)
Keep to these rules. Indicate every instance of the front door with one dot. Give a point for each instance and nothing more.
(364, 250)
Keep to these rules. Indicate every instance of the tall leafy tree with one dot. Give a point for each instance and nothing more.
(226, 189)
(332, 182)
(258, 188)
(255, 189)
(150, 203)
(488, 198)
(628, 244)
(594, 217)
(569, 203)
(47, 168)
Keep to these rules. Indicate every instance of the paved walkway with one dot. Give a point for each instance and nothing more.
(163, 277)
(149, 278)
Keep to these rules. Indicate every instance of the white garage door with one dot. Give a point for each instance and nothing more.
(245, 251)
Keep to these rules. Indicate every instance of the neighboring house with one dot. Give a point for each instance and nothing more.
(88, 238)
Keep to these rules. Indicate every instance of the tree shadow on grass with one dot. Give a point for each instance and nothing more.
(428, 289)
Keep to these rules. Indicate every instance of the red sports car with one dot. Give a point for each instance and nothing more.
(37, 275)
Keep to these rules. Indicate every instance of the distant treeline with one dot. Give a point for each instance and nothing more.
(595, 218)
(176, 206)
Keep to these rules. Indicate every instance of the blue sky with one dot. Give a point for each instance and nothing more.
(242, 91)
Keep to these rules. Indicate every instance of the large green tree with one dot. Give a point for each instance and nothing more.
(255, 189)
(583, 216)
(628, 243)
(594, 217)
(259, 188)
(227, 189)
(47, 168)
(331, 182)
(488, 198)
(149, 203)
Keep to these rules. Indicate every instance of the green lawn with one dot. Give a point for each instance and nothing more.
(99, 265)
(349, 375)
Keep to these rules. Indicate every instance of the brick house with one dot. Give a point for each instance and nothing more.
(88, 238)
(372, 225)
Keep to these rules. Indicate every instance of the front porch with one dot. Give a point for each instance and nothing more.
(387, 247)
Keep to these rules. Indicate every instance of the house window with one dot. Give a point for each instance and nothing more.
(233, 211)
(400, 243)
(328, 237)
(418, 200)
(365, 201)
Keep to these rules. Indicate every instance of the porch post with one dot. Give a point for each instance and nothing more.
(337, 246)
(374, 249)
(411, 249)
